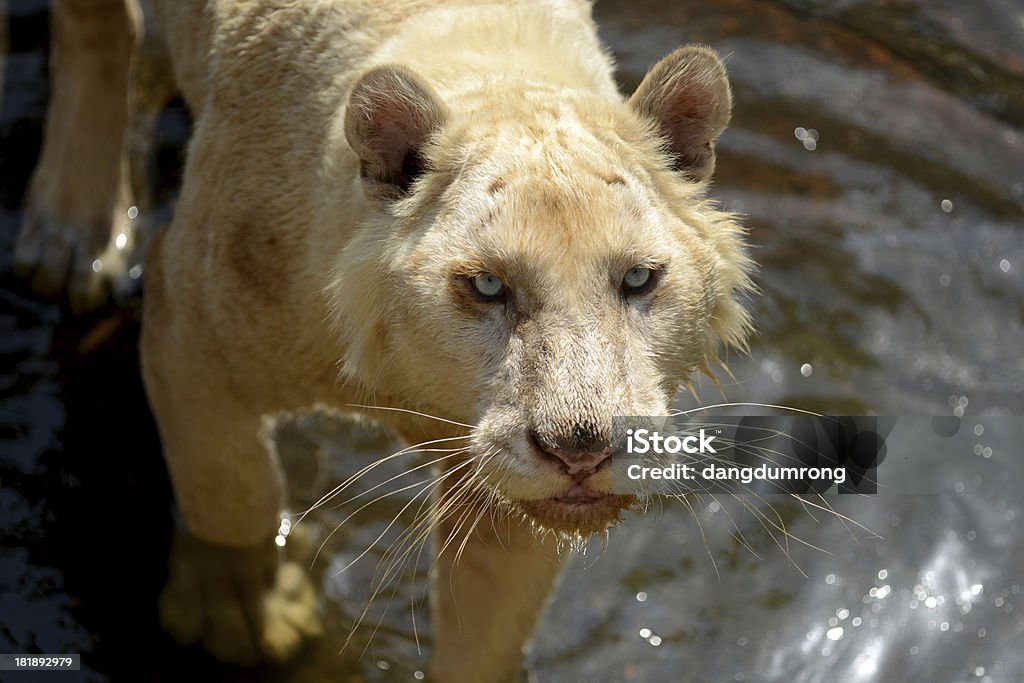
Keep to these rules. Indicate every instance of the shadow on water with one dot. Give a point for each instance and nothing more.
(877, 153)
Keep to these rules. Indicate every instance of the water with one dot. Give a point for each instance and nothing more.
(877, 150)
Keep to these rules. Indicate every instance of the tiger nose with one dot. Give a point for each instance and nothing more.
(580, 457)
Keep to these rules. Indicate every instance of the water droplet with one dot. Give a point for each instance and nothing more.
(418, 675)
(979, 430)
(806, 369)
(834, 633)
(947, 206)
(641, 597)
(382, 665)
(280, 541)
(810, 144)
(97, 266)
(979, 671)
(645, 633)
(133, 212)
(135, 272)
(655, 641)
(800, 133)
(1004, 266)
(121, 240)
(883, 573)
(944, 280)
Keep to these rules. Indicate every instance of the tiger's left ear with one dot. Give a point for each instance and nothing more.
(687, 94)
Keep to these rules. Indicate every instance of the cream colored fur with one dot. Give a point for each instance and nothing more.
(354, 166)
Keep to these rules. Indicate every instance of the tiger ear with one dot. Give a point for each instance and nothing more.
(391, 113)
(687, 95)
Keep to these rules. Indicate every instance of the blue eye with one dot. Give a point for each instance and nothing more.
(488, 285)
(636, 279)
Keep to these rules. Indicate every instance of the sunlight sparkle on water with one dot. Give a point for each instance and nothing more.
(866, 663)
(808, 136)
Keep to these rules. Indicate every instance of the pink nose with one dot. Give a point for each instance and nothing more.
(580, 460)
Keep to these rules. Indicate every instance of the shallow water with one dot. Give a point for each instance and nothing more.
(877, 150)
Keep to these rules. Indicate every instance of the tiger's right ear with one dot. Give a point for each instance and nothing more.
(391, 113)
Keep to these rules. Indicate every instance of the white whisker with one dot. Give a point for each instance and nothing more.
(411, 412)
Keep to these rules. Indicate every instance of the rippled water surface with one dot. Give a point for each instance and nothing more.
(877, 151)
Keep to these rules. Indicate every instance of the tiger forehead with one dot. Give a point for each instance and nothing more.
(612, 178)
(584, 212)
(570, 240)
